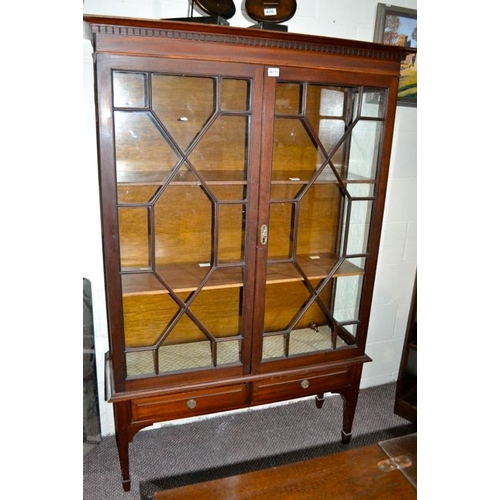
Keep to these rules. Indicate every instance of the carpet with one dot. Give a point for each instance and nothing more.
(221, 445)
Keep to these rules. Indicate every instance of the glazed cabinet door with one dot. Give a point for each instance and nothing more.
(178, 197)
(320, 184)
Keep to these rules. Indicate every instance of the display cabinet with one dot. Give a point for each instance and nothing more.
(242, 176)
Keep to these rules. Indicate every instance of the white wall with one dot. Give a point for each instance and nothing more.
(398, 256)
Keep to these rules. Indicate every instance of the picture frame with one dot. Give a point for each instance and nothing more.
(398, 26)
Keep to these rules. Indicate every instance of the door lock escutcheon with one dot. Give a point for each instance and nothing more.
(263, 234)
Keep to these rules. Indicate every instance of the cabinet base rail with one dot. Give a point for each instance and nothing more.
(127, 428)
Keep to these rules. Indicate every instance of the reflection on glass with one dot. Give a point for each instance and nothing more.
(374, 101)
(347, 296)
(356, 226)
(129, 89)
(142, 152)
(365, 144)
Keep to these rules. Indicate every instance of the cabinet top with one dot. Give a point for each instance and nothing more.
(247, 37)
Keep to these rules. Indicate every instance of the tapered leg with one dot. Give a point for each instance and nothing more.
(350, 400)
(320, 399)
(122, 441)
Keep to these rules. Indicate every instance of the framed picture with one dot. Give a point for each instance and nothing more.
(398, 26)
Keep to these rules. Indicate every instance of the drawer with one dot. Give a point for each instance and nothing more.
(296, 386)
(188, 404)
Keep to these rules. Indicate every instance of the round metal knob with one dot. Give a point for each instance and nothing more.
(191, 403)
(304, 384)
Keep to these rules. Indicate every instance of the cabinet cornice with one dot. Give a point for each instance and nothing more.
(244, 37)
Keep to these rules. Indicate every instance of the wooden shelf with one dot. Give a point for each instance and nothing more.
(230, 177)
(327, 176)
(314, 266)
(158, 177)
(181, 278)
(187, 277)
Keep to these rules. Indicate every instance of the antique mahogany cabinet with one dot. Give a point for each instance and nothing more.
(242, 175)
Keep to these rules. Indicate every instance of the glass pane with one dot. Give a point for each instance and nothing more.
(356, 226)
(185, 340)
(183, 104)
(288, 189)
(178, 357)
(146, 317)
(183, 218)
(228, 352)
(359, 227)
(310, 340)
(222, 150)
(284, 300)
(231, 234)
(295, 155)
(280, 230)
(288, 98)
(134, 237)
(364, 152)
(361, 190)
(227, 303)
(329, 111)
(347, 295)
(326, 111)
(140, 363)
(185, 331)
(130, 193)
(143, 154)
(228, 191)
(129, 90)
(319, 209)
(273, 347)
(374, 101)
(297, 226)
(235, 95)
(298, 313)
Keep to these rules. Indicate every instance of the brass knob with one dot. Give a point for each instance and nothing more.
(304, 384)
(191, 403)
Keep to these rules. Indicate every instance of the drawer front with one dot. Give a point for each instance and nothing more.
(290, 387)
(188, 404)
